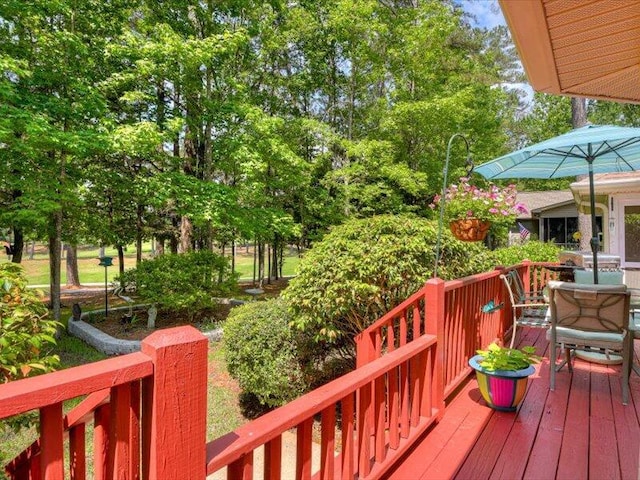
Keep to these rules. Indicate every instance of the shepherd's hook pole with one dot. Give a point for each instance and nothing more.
(442, 198)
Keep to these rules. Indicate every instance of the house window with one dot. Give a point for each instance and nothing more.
(632, 233)
(560, 230)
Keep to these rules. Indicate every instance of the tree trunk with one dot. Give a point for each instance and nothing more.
(233, 257)
(269, 258)
(160, 246)
(18, 245)
(73, 277)
(579, 119)
(260, 263)
(55, 235)
(186, 235)
(139, 211)
(121, 260)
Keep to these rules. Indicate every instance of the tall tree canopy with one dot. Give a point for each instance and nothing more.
(204, 123)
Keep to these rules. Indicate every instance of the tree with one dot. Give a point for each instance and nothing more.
(61, 46)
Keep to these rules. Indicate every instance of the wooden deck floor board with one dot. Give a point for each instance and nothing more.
(579, 431)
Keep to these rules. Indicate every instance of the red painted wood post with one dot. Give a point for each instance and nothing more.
(328, 443)
(434, 304)
(365, 349)
(177, 410)
(101, 441)
(273, 459)
(77, 453)
(51, 433)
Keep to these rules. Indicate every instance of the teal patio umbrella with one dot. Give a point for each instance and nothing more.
(586, 150)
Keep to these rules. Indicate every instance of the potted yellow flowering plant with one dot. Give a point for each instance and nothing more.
(503, 373)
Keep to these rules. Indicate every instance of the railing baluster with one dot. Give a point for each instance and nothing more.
(303, 449)
(241, 469)
(101, 442)
(328, 443)
(365, 414)
(77, 452)
(393, 407)
(348, 449)
(273, 459)
(51, 432)
(380, 423)
(416, 320)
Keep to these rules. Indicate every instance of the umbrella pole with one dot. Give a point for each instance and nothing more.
(595, 240)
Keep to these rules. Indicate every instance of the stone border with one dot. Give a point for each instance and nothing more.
(109, 345)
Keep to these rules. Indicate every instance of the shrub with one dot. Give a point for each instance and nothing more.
(364, 268)
(261, 352)
(533, 250)
(188, 281)
(27, 335)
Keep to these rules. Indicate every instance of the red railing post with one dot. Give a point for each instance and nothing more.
(175, 415)
(365, 348)
(434, 315)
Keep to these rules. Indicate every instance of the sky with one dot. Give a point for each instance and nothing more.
(487, 12)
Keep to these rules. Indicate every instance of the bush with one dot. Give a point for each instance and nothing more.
(364, 268)
(533, 250)
(261, 352)
(188, 281)
(27, 336)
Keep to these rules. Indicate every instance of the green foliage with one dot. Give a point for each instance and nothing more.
(187, 281)
(496, 357)
(27, 336)
(364, 268)
(261, 351)
(533, 250)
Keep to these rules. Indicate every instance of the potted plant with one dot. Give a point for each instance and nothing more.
(471, 210)
(503, 373)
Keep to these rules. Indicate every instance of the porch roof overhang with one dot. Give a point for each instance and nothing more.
(586, 48)
(605, 184)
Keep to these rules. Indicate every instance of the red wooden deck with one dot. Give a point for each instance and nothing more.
(579, 431)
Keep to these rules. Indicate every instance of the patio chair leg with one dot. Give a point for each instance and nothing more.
(513, 335)
(567, 353)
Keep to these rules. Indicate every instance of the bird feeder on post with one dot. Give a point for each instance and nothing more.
(106, 262)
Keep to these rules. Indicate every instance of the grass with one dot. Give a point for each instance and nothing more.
(37, 268)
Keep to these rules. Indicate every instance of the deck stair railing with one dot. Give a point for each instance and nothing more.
(148, 411)
(149, 408)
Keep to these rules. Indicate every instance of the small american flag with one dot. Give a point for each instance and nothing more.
(524, 233)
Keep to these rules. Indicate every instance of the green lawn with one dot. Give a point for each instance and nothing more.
(37, 269)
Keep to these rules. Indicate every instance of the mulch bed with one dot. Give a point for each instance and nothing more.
(119, 327)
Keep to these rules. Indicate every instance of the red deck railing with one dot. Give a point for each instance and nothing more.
(457, 312)
(149, 408)
(148, 411)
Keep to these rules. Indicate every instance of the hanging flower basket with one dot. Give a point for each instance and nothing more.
(470, 229)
